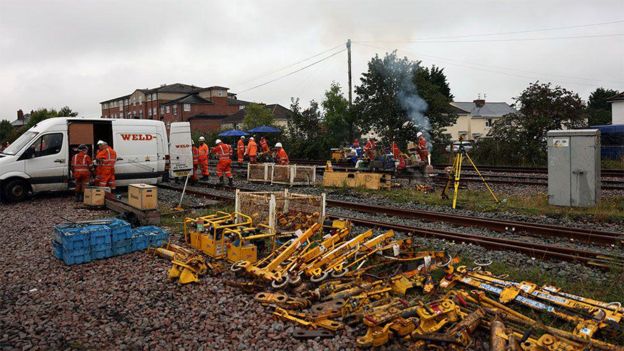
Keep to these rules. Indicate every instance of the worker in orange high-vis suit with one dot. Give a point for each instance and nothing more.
(80, 170)
(224, 153)
(195, 150)
(252, 150)
(423, 151)
(370, 149)
(105, 169)
(281, 157)
(398, 157)
(204, 151)
(240, 149)
(265, 150)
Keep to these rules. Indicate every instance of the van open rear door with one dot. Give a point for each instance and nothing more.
(180, 151)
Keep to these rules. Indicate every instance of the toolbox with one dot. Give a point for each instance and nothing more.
(94, 196)
(143, 196)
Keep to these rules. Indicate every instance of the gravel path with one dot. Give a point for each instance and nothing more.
(119, 303)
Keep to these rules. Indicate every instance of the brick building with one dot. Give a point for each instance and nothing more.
(203, 107)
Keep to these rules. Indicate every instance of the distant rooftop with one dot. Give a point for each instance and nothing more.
(487, 109)
(179, 88)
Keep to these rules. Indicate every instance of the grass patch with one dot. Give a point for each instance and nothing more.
(609, 209)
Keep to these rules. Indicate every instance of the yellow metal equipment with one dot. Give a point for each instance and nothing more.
(275, 266)
(187, 266)
(225, 235)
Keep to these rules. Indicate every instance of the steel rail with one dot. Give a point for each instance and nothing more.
(589, 236)
(536, 250)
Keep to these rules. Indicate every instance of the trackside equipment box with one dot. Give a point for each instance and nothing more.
(574, 167)
(94, 196)
(143, 196)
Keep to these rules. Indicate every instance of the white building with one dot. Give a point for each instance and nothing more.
(474, 119)
(617, 109)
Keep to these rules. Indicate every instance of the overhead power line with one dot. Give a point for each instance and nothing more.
(514, 32)
(512, 72)
(293, 72)
(424, 41)
(290, 65)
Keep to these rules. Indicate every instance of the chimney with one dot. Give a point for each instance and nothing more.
(479, 102)
(20, 115)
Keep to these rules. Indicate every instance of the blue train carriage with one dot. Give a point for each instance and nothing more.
(612, 141)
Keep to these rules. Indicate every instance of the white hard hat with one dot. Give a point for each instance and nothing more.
(278, 145)
(419, 134)
(100, 142)
(218, 141)
(251, 138)
(242, 137)
(201, 138)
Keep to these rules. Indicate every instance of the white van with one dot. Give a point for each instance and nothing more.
(40, 159)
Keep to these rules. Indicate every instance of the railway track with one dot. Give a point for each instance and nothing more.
(536, 250)
(470, 177)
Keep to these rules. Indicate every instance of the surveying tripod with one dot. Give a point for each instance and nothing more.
(455, 173)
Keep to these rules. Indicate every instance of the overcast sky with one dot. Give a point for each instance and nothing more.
(78, 53)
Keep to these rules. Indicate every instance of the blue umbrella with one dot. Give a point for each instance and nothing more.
(264, 129)
(233, 133)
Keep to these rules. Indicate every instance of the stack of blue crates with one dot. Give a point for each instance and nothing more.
(81, 243)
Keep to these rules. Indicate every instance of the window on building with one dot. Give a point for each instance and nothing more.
(167, 110)
(187, 107)
(175, 109)
(149, 112)
(488, 122)
(162, 110)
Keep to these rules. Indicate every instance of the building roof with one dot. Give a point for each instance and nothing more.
(207, 116)
(21, 122)
(617, 97)
(489, 109)
(278, 111)
(189, 99)
(237, 102)
(174, 88)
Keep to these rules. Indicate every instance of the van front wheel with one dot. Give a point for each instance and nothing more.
(16, 190)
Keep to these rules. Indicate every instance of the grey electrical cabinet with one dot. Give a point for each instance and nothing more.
(574, 167)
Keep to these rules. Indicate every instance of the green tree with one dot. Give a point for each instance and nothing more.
(65, 111)
(337, 117)
(6, 129)
(257, 115)
(397, 90)
(520, 138)
(305, 133)
(598, 107)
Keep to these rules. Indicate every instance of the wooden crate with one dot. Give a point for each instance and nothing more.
(143, 196)
(94, 196)
(259, 172)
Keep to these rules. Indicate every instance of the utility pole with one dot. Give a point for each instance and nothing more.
(349, 64)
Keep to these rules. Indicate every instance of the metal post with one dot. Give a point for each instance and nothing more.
(349, 64)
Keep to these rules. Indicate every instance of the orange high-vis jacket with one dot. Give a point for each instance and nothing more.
(282, 156)
(223, 151)
(80, 163)
(106, 158)
(203, 152)
(240, 147)
(252, 148)
(195, 155)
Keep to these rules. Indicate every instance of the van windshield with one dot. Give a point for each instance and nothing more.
(19, 143)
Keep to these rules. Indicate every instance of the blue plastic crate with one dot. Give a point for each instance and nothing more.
(57, 249)
(71, 259)
(100, 247)
(99, 234)
(140, 242)
(120, 243)
(72, 236)
(100, 254)
(122, 250)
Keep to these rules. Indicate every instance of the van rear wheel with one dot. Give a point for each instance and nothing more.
(16, 190)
